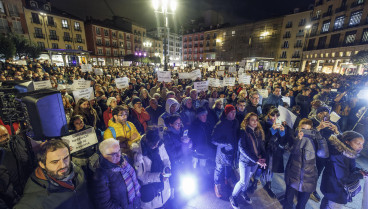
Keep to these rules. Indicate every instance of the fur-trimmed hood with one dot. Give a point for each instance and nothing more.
(343, 148)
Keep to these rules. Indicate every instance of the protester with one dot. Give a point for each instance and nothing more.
(107, 115)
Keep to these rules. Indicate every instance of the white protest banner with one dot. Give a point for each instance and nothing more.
(245, 79)
(222, 67)
(164, 76)
(217, 63)
(84, 93)
(81, 84)
(229, 81)
(286, 99)
(286, 115)
(205, 65)
(81, 140)
(98, 71)
(127, 63)
(196, 74)
(86, 67)
(285, 70)
(241, 70)
(42, 85)
(334, 90)
(22, 62)
(242, 63)
(122, 83)
(185, 75)
(214, 82)
(61, 87)
(211, 68)
(220, 73)
(232, 69)
(201, 86)
(334, 117)
(263, 93)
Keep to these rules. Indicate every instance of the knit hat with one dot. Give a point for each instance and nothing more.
(229, 108)
(135, 100)
(201, 111)
(109, 100)
(322, 109)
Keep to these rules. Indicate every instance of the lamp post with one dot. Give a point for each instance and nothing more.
(163, 4)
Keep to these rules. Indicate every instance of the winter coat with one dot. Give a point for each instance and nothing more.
(107, 115)
(40, 193)
(200, 134)
(187, 116)
(255, 109)
(326, 132)
(154, 114)
(224, 136)
(109, 188)
(174, 146)
(161, 120)
(139, 119)
(246, 148)
(304, 102)
(272, 100)
(142, 166)
(123, 131)
(340, 170)
(301, 170)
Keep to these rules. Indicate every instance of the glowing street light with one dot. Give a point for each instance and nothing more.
(308, 26)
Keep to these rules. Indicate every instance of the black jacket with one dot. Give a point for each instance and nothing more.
(246, 148)
(339, 171)
(200, 134)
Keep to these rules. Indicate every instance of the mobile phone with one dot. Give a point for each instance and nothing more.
(325, 118)
(185, 134)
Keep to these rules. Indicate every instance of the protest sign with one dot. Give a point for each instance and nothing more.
(241, 70)
(222, 68)
(242, 63)
(286, 115)
(98, 71)
(42, 85)
(196, 74)
(285, 70)
(263, 93)
(217, 63)
(220, 73)
(214, 82)
(164, 76)
(81, 140)
(22, 62)
(229, 81)
(185, 75)
(201, 86)
(84, 93)
(232, 69)
(81, 84)
(86, 67)
(286, 99)
(211, 68)
(245, 79)
(334, 117)
(122, 83)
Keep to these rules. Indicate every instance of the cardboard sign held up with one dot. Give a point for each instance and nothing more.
(164, 76)
(229, 81)
(84, 93)
(201, 86)
(86, 67)
(81, 140)
(81, 84)
(185, 75)
(42, 85)
(244, 79)
(263, 92)
(122, 82)
(196, 74)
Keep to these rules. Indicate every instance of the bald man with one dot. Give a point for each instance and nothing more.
(14, 168)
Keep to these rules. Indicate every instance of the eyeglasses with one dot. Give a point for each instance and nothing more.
(115, 154)
(3, 136)
(177, 124)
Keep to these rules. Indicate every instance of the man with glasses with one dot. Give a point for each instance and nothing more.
(253, 104)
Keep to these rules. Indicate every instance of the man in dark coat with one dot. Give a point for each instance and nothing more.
(57, 182)
(253, 104)
(304, 101)
(154, 110)
(240, 110)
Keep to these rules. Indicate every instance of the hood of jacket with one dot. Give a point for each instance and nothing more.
(342, 148)
(170, 102)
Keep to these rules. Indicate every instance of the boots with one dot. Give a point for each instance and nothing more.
(268, 189)
(253, 186)
(218, 190)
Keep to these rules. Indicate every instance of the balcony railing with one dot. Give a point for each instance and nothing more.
(39, 35)
(67, 38)
(300, 34)
(79, 40)
(296, 56)
(289, 25)
(298, 46)
(77, 28)
(356, 4)
(54, 37)
(286, 36)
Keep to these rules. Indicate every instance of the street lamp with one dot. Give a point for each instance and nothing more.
(164, 4)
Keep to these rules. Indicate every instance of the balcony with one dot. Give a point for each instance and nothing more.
(36, 20)
(54, 37)
(51, 24)
(298, 46)
(301, 24)
(356, 4)
(39, 35)
(286, 36)
(283, 57)
(77, 28)
(296, 56)
(327, 14)
(300, 34)
(289, 25)
(284, 46)
(79, 40)
(317, 17)
(341, 9)
(68, 39)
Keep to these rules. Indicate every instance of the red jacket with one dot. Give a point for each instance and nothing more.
(107, 115)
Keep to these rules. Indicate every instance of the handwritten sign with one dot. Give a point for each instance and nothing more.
(232, 69)
(229, 81)
(42, 85)
(214, 82)
(220, 73)
(81, 84)
(211, 68)
(201, 86)
(263, 92)
(122, 83)
(84, 93)
(287, 115)
(286, 99)
(241, 70)
(244, 79)
(98, 71)
(242, 63)
(222, 68)
(185, 75)
(196, 74)
(164, 76)
(334, 117)
(285, 70)
(81, 140)
(86, 67)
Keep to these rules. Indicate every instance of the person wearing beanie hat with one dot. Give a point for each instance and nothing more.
(225, 137)
(107, 115)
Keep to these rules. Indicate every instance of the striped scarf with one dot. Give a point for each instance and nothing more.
(131, 181)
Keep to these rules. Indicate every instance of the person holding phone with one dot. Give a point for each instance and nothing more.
(252, 155)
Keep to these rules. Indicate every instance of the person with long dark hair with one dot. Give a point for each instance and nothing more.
(84, 109)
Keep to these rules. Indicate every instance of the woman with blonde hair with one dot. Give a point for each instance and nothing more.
(252, 155)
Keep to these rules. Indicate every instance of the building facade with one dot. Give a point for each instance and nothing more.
(12, 18)
(339, 29)
(193, 48)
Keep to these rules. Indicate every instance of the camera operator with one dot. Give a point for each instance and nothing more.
(15, 168)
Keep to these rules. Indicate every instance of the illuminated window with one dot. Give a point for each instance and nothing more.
(350, 37)
(339, 22)
(326, 54)
(355, 18)
(348, 53)
(341, 54)
(333, 54)
(326, 26)
(64, 23)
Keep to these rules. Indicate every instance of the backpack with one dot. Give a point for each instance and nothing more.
(113, 130)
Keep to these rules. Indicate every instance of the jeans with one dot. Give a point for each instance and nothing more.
(245, 172)
(328, 204)
(289, 198)
(220, 172)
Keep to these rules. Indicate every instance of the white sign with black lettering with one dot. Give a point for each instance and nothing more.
(263, 93)
(196, 74)
(81, 84)
(222, 67)
(232, 69)
(122, 83)
(84, 93)
(185, 75)
(241, 70)
(229, 81)
(244, 79)
(98, 71)
(211, 68)
(214, 82)
(220, 73)
(164, 76)
(285, 70)
(201, 86)
(81, 140)
(86, 68)
(42, 85)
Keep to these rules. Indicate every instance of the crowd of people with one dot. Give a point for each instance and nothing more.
(148, 132)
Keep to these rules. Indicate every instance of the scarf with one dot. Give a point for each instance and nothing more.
(66, 182)
(154, 155)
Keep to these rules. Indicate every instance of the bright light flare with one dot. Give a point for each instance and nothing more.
(173, 5)
(308, 26)
(155, 4)
(188, 185)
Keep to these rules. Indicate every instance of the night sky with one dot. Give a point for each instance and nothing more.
(141, 11)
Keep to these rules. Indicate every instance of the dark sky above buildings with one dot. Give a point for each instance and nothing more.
(141, 11)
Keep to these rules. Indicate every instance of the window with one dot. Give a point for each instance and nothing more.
(80, 47)
(302, 22)
(365, 36)
(77, 26)
(339, 22)
(50, 20)
(322, 42)
(41, 45)
(99, 51)
(107, 43)
(67, 37)
(283, 55)
(68, 46)
(35, 18)
(115, 53)
(54, 45)
(128, 45)
(287, 34)
(53, 35)
(298, 43)
(106, 32)
(325, 26)
(64, 23)
(38, 33)
(334, 42)
(108, 52)
(17, 26)
(78, 38)
(355, 18)
(13, 10)
(289, 24)
(99, 42)
(113, 34)
(2, 7)
(286, 44)
(98, 31)
(233, 33)
(33, 4)
(3, 24)
(350, 37)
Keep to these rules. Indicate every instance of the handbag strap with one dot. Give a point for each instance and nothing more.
(254, 144)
